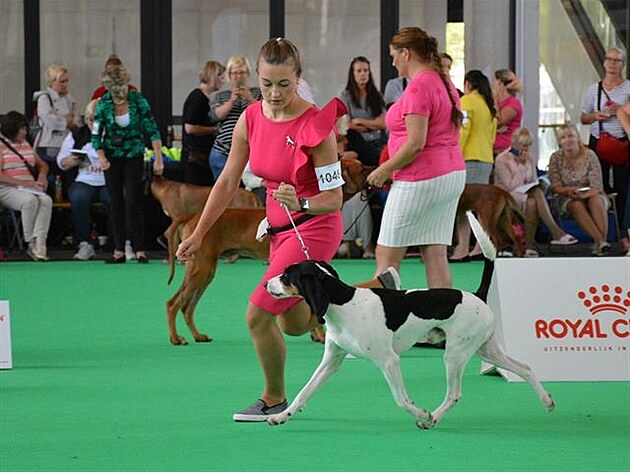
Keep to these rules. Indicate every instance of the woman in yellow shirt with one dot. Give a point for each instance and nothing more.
(476, 139)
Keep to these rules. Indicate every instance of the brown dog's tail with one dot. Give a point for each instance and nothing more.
(173, 235)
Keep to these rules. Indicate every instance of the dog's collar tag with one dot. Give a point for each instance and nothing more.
(261, 233)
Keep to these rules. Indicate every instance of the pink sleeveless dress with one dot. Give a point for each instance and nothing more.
(278, 152)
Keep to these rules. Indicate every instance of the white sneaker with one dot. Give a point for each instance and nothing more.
(85, 252)
(30, 250)
(129, 254)
(37, 253)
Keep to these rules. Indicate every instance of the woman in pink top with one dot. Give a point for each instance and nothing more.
(426, 164)
(292, 145)
(504, 87)
(19, 189)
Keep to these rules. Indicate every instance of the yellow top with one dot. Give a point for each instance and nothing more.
(478, 130)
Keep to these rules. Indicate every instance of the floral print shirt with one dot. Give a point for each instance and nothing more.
(123, 141)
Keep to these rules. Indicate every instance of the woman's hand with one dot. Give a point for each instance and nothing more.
(358, 124)
(378, 177)
(246, 94)
(187, 248)
(236, 94)
(600, 116)
(158, 166)
(285, 195)
(572, 193)
(104, 163)
(42, 182)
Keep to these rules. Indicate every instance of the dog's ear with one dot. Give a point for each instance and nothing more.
(328, 268)
(311, 287)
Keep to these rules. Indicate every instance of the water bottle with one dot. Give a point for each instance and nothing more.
(58, 189)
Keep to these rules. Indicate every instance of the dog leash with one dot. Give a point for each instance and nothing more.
(364, 197)
(299, 236)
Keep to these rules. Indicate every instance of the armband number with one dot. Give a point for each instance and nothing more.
(329, 177)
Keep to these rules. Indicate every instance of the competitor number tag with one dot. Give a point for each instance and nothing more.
(329, 177)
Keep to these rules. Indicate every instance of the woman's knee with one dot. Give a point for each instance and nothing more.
(257, 319)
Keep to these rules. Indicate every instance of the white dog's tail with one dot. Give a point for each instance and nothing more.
(489, 253)
(487, 247)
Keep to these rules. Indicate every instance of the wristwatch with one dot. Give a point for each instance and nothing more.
(303, 205)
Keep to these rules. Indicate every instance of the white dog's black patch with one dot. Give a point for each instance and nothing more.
(433, 304)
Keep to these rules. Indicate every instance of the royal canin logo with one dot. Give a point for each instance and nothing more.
(608, 299)
(601, 301)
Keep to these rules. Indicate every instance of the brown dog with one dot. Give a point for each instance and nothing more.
(234, 231)
(497, 211)
(179, 199)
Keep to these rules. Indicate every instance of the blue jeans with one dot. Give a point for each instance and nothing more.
(217, 162)
(81, 197)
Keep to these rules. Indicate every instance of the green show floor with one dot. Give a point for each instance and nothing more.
(96, 386)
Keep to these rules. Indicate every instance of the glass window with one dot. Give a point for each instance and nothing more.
(329, 34)
(204, 31)
(99, 28)
(12, 46)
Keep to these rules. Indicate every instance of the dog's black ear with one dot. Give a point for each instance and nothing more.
(328, 268)
(312, 289)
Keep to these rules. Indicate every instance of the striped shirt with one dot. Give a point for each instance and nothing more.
(620, 95)
(12, 165)
(223, 141)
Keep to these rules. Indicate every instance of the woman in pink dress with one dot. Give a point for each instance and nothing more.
(505, 86)
(292, 146)
(426, 164)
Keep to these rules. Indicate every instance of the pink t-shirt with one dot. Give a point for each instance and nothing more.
(426, 95)
(12, 164)
(503, 140)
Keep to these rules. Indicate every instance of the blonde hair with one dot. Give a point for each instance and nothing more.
(567, 128)
(54, 72)
(210, 71)
(237, 61)
(522, 137)
(511, 81)
(115, 75)
(90, 108)
(113, 60)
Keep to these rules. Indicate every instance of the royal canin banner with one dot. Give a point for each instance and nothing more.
(567, 318)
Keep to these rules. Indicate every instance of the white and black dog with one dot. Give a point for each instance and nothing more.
(379, 324)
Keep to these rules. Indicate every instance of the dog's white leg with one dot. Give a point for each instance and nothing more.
(331, 362)
(391, 370)
(493, 353)
(455, 361)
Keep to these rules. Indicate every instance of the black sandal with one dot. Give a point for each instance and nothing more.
(116, 260)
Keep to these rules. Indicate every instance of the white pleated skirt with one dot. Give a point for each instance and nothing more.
(421, 213)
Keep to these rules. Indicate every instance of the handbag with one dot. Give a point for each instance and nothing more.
(34, 172)
(613, 150)
(610, 149)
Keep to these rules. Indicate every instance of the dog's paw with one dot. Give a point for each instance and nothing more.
(178, 341)
(202, 338)
(426, 423)
(280, 418)
(550, 404)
